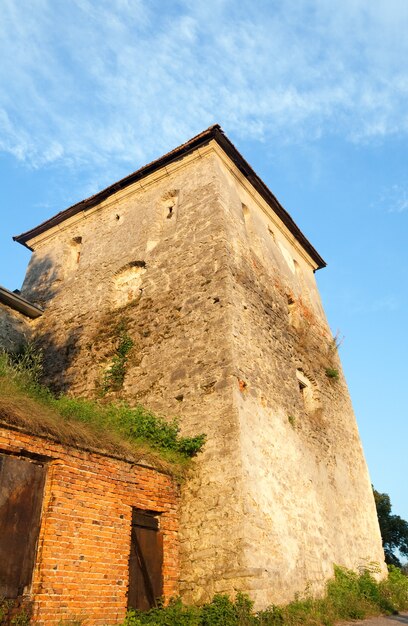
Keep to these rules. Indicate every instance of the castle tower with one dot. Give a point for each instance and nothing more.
(195, 260)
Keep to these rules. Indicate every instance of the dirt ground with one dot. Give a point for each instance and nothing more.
(388, 620)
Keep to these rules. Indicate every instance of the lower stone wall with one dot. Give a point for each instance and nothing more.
(14, 328)
(82, 559)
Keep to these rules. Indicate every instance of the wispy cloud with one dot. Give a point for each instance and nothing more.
(394, 199)
(353, 303)
(125, 80)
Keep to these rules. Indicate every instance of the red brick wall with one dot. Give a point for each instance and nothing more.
(81, 567)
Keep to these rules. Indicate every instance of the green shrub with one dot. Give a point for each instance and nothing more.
(395, 588)
(20, 619)
(332, 373)
(343, 595)
(115, 376)
(7, 608)
(222, 611)
(132, 619)
(28, 362)
(133, 424)
(175, 613)
(25, 366)
(348, 596)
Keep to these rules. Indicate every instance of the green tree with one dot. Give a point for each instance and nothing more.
(394, 530)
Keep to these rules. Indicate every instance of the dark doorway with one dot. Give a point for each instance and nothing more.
(21, 494)
(146, 561)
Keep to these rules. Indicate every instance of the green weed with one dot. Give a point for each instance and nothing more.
(348, 596)
(332, 373)
(7, 608)
(292, 420)
(135, 425)
(395, 588)
(115, 375)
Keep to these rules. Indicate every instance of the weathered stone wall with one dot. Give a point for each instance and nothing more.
(223, 310)
(181, 363)
(15, 328)
(82, 563)
(308, 498)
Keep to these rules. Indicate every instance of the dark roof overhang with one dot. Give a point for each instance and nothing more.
(213, 132)
(20, 304)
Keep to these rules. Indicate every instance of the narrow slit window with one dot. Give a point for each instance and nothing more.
(291, 309)
(272, 234)
(74, 254)
(306, 391)
(76, 245)
(169, 203)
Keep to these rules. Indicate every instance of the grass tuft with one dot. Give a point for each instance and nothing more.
(133, 432)
(332, 373)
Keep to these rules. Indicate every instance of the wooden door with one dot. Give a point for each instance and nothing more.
(21, 494)
(146, 561)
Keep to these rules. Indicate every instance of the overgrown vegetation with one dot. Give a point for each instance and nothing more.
(115, 375)
(292, 420)
(26, 364)
(331, 370)
(332, 373)
(336, 342)
(348, 596)
(11, 615)
(309, 340)
(102, 423)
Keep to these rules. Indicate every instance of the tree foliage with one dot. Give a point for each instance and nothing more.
(394, 530)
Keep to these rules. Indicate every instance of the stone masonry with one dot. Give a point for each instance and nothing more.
(14, 328)
(15, 316)
(198, 263)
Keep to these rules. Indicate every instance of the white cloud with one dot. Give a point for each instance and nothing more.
(355, 303)
(125, 80)
(394, 199)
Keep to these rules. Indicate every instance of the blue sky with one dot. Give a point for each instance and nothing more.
(314, 93)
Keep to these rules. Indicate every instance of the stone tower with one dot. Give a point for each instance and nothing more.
(214, 282)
